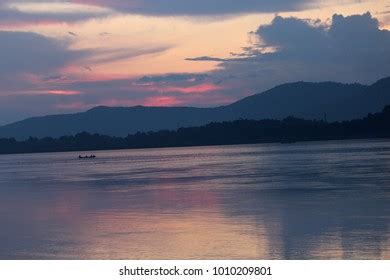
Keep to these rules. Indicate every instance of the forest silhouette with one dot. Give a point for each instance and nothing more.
(288, 130)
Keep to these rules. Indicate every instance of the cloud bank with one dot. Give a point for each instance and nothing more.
(32, 53)
(346, 49)
(349, 49)
(30, 12)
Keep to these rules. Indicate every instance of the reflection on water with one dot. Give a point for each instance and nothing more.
(325, 200)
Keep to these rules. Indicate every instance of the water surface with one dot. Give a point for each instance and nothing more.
(320, 200)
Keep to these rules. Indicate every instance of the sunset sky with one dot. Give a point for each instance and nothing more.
(69, 56)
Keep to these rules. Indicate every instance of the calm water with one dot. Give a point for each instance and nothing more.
(301, 201)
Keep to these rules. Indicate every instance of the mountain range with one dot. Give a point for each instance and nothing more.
(326, 100)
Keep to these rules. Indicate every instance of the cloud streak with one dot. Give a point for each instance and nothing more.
(172, 78)
(101, 56)
(195, 89)
(20, 13)
(198, 7)
(206, 58)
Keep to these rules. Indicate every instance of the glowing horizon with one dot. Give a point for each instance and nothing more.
(93, 52)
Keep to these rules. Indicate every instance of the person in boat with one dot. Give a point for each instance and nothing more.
(87, 157)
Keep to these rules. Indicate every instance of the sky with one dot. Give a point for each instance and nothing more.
(69, 56)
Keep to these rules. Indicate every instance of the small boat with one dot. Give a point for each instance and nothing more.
(87, 157)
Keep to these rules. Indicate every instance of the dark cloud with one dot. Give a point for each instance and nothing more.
(10, 15)
(206, 58)
(27, 52)
(26, 58)
(353, 47)
(32, 53)
(172, 78)
(350, 49)
(30, 69)
(199, 7)
(53, 78)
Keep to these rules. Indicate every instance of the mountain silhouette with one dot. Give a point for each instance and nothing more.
(286, 131)
(333, 101)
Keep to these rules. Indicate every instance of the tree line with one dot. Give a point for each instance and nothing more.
(288, 130)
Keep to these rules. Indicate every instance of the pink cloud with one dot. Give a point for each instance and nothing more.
(64, 92)
(162, 101)
(148, 101)
(50, 92)
(202, 88)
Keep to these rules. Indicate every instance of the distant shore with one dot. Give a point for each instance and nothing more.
(287, 131)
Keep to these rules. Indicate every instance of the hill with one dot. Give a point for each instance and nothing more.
(304, 100)
(224, 133)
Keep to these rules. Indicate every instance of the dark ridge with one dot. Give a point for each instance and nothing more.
(312, 101)
(288, 130)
